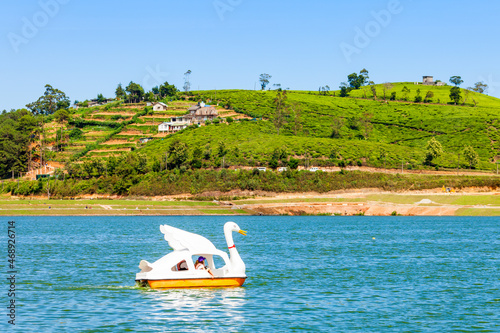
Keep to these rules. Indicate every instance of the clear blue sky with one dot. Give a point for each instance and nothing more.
(88, 47)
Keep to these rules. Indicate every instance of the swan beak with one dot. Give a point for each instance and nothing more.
(243, 232)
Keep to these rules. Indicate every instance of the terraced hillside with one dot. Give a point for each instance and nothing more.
(316, 129)
(113, 129)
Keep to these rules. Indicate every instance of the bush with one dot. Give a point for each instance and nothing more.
(293, 163)
(75, 134)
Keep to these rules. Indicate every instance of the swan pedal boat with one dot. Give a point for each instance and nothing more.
(176, 269)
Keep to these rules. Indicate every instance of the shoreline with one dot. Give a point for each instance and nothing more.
(362, 202)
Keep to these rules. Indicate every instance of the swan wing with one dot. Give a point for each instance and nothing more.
(183, 240)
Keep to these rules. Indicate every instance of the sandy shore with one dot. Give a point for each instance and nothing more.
(368, 202)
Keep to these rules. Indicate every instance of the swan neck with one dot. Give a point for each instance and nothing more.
(229, 238)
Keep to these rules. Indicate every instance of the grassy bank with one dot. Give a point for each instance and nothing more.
(205, 183)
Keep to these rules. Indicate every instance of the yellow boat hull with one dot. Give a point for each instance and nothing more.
(194, 283)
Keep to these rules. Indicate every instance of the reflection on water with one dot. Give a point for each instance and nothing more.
(226, 306)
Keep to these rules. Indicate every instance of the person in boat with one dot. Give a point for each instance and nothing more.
(200, 264)
(182, 266)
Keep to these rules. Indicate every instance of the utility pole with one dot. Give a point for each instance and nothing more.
(166, 161)
(458, 162)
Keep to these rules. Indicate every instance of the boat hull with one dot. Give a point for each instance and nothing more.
(193, 283)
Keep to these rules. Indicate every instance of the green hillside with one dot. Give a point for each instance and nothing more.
(318, 129)
(401, 129)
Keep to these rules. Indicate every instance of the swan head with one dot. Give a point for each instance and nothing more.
(231, 226)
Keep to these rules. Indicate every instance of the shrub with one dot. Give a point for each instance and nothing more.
(293, 163)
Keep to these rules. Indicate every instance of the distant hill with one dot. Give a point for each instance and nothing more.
(369, 132)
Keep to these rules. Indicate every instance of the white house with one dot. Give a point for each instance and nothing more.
(160, 106)
(173, 126)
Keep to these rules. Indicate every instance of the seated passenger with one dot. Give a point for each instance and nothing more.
(182, 266)
(200, 264)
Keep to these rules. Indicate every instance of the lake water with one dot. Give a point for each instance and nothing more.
(368, 274)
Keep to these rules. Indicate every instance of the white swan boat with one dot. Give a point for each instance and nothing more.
(177, 270)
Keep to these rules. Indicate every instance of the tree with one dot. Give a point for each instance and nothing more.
(434, 150)
(281, 109)
(293, 163)
(471, 156)
(61, 116)
(344, 89)
(221, 149)
(52, 100)
(365, 74)
(136, 92)
(406, 93)
(100, 98)
(177, 154)
(187, 84)
(480, 87)
(418, 98)
(468, 93)
(119, 92)
(356, 81)
(374, 91)
(17, 130)
(456, 80)
(455, 94)
(264, 80)
(168, 90)
(428, 97)
(149, 96)
(386, 87)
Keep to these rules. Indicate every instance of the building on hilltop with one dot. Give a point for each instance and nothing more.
(160, 106)
(429, 81)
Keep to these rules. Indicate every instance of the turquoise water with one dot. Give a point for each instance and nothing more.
(368, 274)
